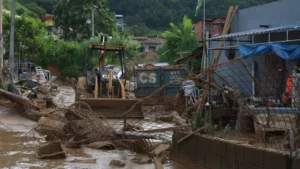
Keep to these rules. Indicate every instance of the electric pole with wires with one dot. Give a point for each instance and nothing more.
(12, 35)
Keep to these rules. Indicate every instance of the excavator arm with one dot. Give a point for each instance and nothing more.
(108, 92)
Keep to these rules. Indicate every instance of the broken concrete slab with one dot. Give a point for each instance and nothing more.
(52, 150)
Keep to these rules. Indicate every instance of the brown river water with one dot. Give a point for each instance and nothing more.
(18, 144)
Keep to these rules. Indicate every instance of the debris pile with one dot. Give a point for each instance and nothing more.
(75, 124)
(34, 93)
(78, 125)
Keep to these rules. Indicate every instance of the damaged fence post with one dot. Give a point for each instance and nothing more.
(193, 133)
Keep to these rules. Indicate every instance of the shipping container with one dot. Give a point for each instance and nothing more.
(148, 81)
(170, 75)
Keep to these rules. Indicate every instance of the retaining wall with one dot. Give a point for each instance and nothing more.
(203, 152)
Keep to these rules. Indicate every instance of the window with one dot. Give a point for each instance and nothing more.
(152, 48)
(142, 49)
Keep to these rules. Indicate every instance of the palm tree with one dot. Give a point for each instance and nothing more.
(179, 39)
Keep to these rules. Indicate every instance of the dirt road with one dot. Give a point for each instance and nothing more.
(18, 145)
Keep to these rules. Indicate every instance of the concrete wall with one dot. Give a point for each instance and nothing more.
(279, 13)
(198, 28)
(200, 152)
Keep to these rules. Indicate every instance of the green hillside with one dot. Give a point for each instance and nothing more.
(20, 9)
(145, 16)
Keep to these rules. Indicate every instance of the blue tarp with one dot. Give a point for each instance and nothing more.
(285, 51)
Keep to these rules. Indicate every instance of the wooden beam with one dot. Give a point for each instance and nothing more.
(27, 104)
(108, 47)
(231, 12)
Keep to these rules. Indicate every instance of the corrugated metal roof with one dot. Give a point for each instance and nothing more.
(257, 32)
(155, 64)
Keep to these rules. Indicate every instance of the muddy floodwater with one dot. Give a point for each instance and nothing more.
(18, 144)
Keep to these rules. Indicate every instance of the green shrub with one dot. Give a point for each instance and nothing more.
(70, 71)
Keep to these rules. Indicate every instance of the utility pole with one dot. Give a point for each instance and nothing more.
(93, 20)
(1, 35)
(12, 33)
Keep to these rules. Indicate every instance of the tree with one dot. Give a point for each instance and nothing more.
(31, 40)
(120, 39)
(48, 5)
(123, 39)
(40, 7)
(72, 16)
(157, 14)
(68, 59)
(33, 6)
(152, 13)
(179, 39)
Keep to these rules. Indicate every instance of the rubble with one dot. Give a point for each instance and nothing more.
(165, 118)
(142, 160)
(87, 161)
(104, 145)
(77, 124)
(117, 163)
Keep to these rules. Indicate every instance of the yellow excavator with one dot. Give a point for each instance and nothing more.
(103, 88)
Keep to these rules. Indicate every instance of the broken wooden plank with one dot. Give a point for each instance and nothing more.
(158, 163)
(160, 149)
(178, 119)
(231, 12)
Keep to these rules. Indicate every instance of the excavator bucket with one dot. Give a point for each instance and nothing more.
(108, 107)
(115, 108)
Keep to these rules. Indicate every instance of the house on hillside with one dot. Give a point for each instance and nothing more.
(120, 21)
(148, 44)
(213, 26)
(267, 39)
(48, 19)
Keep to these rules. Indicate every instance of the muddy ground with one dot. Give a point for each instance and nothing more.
(18, 145)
